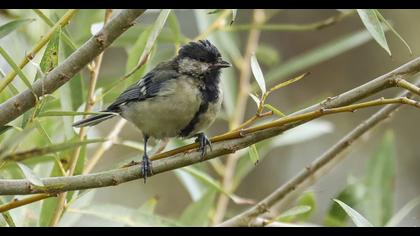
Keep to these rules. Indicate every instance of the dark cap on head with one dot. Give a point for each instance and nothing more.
(202, 50)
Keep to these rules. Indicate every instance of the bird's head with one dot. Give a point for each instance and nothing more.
(199, 59)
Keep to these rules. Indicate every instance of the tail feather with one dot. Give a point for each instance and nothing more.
(93, 120)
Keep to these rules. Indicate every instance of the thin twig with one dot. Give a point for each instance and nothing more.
(17, 203)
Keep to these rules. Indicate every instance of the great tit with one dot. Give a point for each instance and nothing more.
(178, 98)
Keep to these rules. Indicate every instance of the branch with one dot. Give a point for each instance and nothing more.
(185, 156)
(312, 172)
(16, 106)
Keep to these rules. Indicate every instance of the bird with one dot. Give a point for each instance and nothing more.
(180, 98)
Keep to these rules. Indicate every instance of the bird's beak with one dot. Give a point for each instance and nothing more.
(222, 64)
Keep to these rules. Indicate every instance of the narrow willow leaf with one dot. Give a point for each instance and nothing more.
(12, 26)
(374, 26)
(401, 214)
(307, 199)
(317, 55)
(173, 24)
(357, 218)
(50, 58)
(198, 213)
(19, 156)
(15, 67)
(352, 194)
(5, 128)
(381, 18)
(7, 217)
(195, 188)
(157, 28)
(253, 154)
(134, 54)
(293, 212)
(380, 182)
(256, 99)
(287, 82)
(258, 75)
(30, 175)
(149, 206)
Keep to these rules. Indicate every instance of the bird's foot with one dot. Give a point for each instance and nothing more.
(203, 142)
(146, 167)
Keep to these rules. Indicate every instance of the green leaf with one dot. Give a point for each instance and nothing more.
(290, 214)
(258, 75)
(157, 28)
(307, 199)
(5, 128)
(50, 58)
(253, 154)
(30, 175)
(19, 156)
(381, 18)
(7, 217)
(195, 188)
(15, 67)
(134, 54)
(123, 215)
(405, 210)
(13, 25)
(357, 218)
(317, 55)
(380, 182)
(374, 26)
(173, 24)
(267, 55)
(197, 213)
(149, 206)
(352, 194)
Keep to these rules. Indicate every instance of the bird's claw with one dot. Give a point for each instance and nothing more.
(203, 142)
(146, 168)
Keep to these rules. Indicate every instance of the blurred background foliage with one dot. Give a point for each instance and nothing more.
(377, 182)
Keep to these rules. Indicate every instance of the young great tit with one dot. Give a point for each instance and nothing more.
(178, 98)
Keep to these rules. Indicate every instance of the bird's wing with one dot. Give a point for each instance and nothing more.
(148, 87)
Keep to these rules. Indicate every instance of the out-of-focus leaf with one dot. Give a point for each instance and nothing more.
(19, 156)
(73, 91)
(30, 175)
(290, 214)
(197, 213)
(381, 18)
(151, 40)
(149, 206)
(357, 218)
(83, 200)
(380, 182)
(12, 26)
(303, 133)
(234, 13)
(317, 55)
(307, 199)
(124, 216)
(253, 154)
(14, 140)
(374, 26)
(5, 128)
(258, 75)
(401, 214)
(15, 67)
(174, 26)
(267, 55)
(134, 55)
(194, 187)
(352, 194)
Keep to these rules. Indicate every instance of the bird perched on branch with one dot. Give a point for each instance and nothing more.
(178, 98)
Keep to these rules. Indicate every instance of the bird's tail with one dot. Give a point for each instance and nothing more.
(93, 120)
